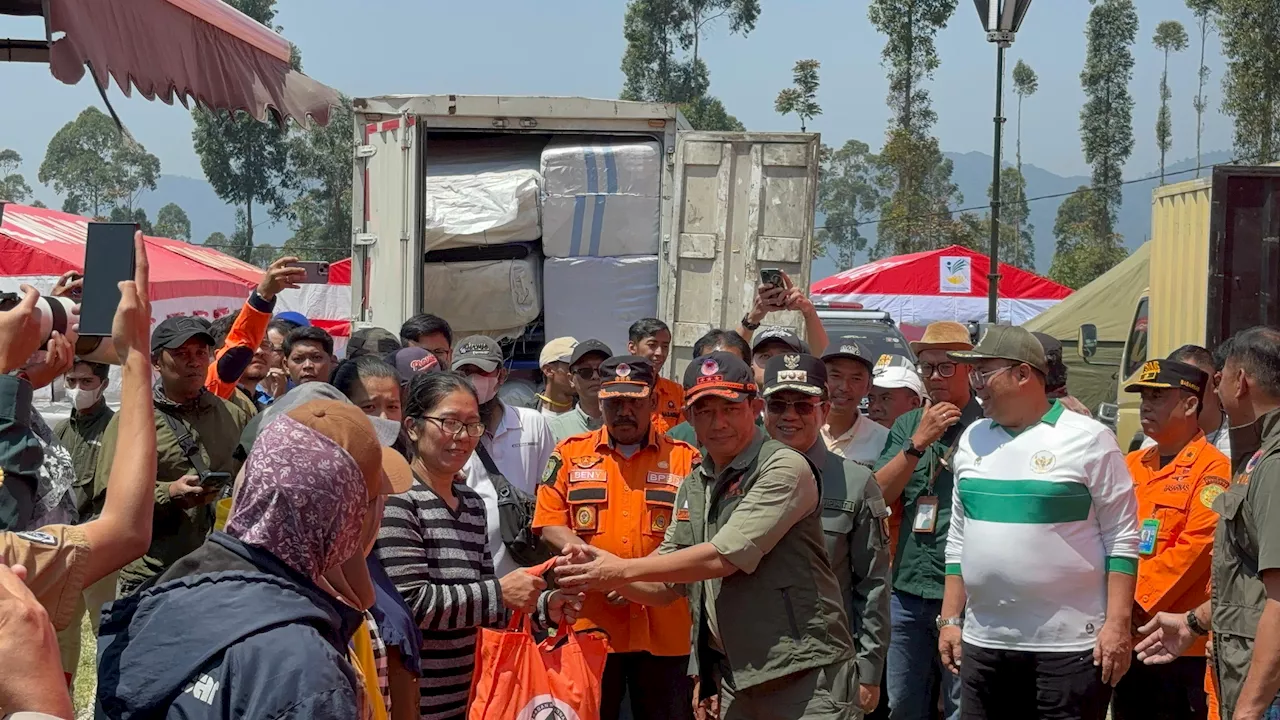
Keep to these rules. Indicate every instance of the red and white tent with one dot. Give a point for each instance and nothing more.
(946, 284)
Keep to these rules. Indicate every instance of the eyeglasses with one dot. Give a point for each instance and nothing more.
(944, 370)
(454, 428)
(978, 379)
(804, 408)
(588, 373)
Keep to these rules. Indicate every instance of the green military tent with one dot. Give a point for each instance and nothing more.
(1108, 302)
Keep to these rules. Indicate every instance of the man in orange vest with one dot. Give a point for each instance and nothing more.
(615, 489)
(1176, 481)
(650, 338)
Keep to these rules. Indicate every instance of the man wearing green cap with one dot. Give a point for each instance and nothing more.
(1042, 550)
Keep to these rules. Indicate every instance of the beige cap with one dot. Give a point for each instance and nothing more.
(557, 350)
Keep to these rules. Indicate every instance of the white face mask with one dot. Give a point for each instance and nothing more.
(83, 399)
(486, 387)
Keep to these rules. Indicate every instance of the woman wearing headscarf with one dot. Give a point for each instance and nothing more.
(434, 545)
(257, 622)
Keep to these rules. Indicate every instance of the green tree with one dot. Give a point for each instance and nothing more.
(136, 215)
(708, 113)
(661, 62)
(1080, 255)
(217, 240)
(1250, 31)
(172, 222)
(13, 187)
(1025, 84)
(1017, 234)
(94, 167)
(802, 97)
(264, 255)
(1170, 37)
(847, 197)
(912, 173)
(1204, 11)
(246, 161)
(320, 215)
(1106, 121)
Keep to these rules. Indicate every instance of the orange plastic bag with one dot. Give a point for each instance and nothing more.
(517, 678)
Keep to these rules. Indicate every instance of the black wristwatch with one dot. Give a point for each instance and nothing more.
(746, 323)
(909, 448)
(1193, 624)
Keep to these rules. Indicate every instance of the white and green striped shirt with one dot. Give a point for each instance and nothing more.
(1038, 519)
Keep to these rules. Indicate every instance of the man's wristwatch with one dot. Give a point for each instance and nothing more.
(746, 323)
(1193, 624)
(909, 448)
(949, 622)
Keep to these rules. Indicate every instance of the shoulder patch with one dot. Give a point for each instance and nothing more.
(1215, 480)
(879, 509)
(553, 469)
(1209, 493)
(39, 538)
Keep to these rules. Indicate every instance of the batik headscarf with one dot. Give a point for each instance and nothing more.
(303, 498)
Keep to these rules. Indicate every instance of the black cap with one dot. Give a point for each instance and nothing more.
(721, 374)
(777, 333)
(589, 347)
(173, 332)
(629, 376)
(1170, 374)
(793, 371)
(478, 350)
(848, 347)
(372, 341)
(412, 361)
(1056, 378)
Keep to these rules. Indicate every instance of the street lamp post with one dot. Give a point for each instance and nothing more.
(1001, 19)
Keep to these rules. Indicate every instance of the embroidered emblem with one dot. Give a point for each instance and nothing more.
(1253, 462)
(1149, 371)
(1209, 493)
(623, 371)
(791, 361)
(553, 468)
(663, 464)
(1043, 461)
(585, 518)
(587, 461)
(710, 367)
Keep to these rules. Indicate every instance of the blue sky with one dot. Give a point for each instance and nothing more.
(573, 47)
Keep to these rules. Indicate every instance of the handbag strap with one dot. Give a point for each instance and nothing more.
(190, 448)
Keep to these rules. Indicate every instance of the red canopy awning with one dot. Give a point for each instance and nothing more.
(184, 49)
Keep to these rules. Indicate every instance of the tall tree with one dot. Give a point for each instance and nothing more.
(1080, 255)
(802, 97)
(320, 216)
(915, 176)
(172, 222)
(1017, 234)
(121, 214)
(1025, 84)
(94, 167)
(1250, 31)
(13, 187)
(847, 196)
(217, 240)
(1204, 11)
(661, 62)
(1170, 37)
(246, 161)
(1106, 121)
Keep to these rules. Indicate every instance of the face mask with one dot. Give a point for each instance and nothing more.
(486, 387)
(83, 399)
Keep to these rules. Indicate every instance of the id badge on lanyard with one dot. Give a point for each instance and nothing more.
(926, 519)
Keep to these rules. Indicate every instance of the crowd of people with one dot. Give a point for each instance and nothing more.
(798, 529)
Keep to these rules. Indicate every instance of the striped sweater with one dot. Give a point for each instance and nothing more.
(438, 559)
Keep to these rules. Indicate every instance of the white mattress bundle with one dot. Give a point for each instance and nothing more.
(590, 297)
(482, 192)
(600, 198)
(487, 297)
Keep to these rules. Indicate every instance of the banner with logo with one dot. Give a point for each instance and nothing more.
(955, 274)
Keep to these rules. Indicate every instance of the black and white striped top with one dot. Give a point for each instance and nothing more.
(439, 561)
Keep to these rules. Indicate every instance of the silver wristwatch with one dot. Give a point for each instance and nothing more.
(949, 622)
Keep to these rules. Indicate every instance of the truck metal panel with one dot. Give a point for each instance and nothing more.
(1179, 268)
(742, 202)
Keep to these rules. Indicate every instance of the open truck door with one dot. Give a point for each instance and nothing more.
(1244, 251)
(741, 202)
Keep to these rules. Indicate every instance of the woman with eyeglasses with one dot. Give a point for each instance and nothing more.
(433, 544)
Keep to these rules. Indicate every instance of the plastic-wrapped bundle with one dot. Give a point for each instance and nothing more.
(495, 296)
(482, 192)
(601, 197)
(598, 298)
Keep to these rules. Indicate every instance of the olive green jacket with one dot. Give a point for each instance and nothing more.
(783, 618)
(215, 425)
(81, 435)
(855, 523)
(1247, 542)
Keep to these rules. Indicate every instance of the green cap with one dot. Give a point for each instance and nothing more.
(1005, 342)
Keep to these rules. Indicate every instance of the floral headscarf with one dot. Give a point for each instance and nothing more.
(302, 498)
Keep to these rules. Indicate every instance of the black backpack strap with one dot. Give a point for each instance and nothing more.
(190, 449)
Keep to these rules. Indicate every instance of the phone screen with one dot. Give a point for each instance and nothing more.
(108, 259)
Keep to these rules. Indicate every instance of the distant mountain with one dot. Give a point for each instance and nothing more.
(971, 172)
(208, 213)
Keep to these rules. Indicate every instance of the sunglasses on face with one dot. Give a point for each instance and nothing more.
(588, 373)
(944, 370)
(803, 408)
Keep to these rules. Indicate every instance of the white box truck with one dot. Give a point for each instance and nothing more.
(728, 205)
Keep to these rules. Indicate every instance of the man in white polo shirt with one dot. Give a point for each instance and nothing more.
(847, 432)
(1043, 547)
